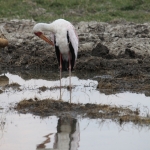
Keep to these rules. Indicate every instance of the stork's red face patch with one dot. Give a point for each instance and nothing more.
(38, 33)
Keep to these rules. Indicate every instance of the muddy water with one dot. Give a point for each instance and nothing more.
(26, 131)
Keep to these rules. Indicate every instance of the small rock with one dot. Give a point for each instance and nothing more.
(100, 50)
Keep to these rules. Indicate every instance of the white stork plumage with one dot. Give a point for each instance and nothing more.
(65, 42)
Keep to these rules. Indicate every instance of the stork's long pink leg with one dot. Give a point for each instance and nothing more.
(60, 73)
(70, 75)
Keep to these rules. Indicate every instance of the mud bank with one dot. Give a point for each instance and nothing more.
(109, 81)
(132, 84)
(49, 107)
(103, 46)
(119, 49)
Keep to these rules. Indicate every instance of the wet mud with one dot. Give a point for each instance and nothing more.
(120, 46)
(133, 84)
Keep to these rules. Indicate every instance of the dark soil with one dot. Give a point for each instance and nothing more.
(134, 84)
(22, 57)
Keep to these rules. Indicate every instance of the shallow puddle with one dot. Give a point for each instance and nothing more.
(26, 131)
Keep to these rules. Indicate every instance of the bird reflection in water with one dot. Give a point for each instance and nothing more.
(67, 136)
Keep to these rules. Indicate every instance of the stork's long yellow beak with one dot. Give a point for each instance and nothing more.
(42, 36)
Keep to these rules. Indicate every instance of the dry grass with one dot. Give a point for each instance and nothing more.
(12, 85)
(49, 107)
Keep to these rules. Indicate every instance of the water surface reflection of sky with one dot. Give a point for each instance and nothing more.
(26, 131)
(84, 91)
(31, 132)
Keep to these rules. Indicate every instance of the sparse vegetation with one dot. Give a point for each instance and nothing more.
(76, 10)
(2, 124)
(50, 107)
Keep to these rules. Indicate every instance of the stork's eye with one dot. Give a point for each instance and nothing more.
(37, 33)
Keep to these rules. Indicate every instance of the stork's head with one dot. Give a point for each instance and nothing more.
(37, 29)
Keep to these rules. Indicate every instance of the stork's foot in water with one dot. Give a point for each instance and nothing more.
(60, 99)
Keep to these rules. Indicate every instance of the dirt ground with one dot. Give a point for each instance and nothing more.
(120, 46)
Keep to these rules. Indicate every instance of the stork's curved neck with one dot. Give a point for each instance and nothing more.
(43, 27)
(47, 27)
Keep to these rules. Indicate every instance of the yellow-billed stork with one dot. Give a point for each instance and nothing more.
(65, 42)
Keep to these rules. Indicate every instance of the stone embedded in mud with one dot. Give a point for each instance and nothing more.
(1, 91)
(4, 80)
(130, 53)
(3, 42)
(100, 50)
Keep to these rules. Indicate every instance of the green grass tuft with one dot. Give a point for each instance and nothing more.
(76, 10)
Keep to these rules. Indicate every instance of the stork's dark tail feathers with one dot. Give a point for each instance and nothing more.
(65, 64)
